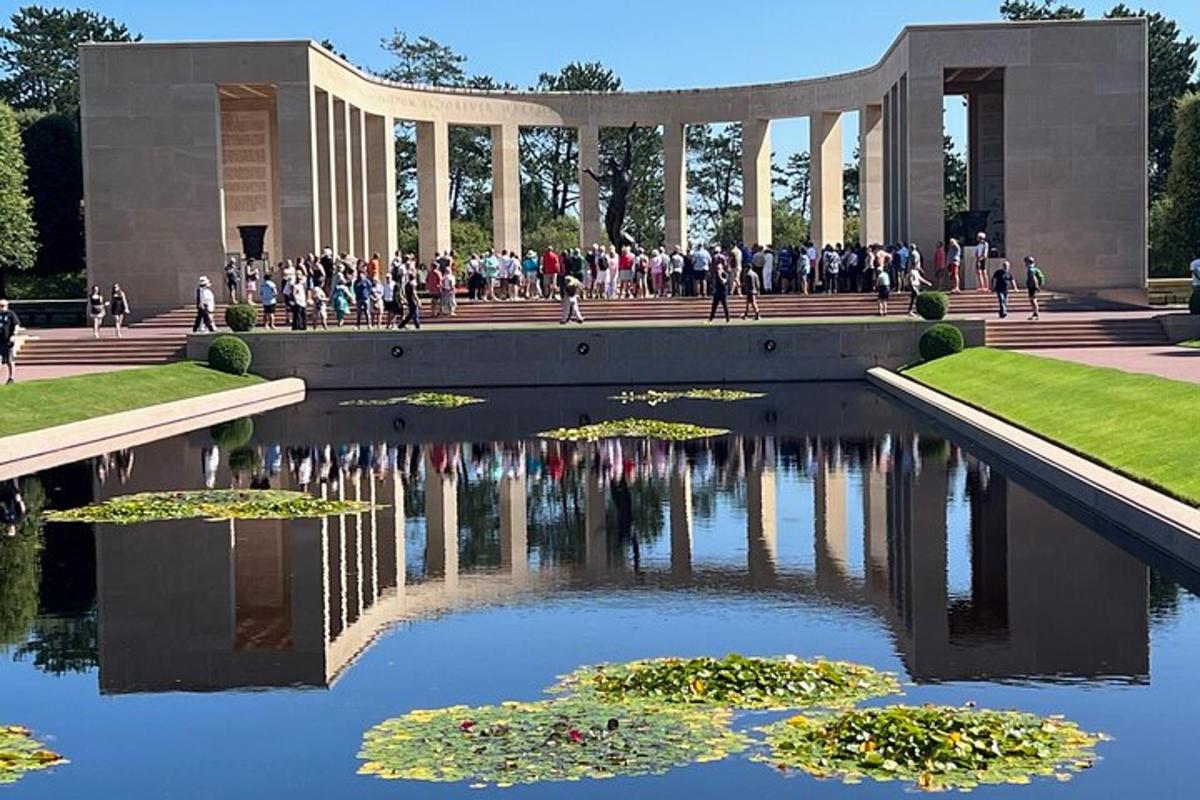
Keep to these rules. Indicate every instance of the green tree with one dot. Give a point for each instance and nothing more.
(955, 179)
(39, 54)
(467, 236)
(795, 179)
(55, 181)
(1181, 232)
(714, 176)
(18, 234)
(788, 225)
(559, 233)
(21, 567)
(1019, 10)
(1172, 66)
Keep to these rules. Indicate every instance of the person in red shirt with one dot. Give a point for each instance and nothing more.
(551, 265)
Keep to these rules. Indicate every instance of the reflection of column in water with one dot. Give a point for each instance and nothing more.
(681, 522)
(514, 536)
(441, 524)
(596, 532)
(399, 526)
(926, 558)
(875, 543)
(326, 597)
(354, 543)
(371, 552)
(829, 499)
(760, 524)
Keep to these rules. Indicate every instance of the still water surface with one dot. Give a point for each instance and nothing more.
(215, 659)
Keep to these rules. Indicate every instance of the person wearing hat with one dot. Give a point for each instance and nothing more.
(205, 304)
(10, 323)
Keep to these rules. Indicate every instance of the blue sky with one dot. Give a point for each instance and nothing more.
(649, 43)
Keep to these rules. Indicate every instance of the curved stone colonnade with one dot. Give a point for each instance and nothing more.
(182, 142)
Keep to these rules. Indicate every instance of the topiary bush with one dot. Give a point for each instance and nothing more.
(241, 317)
(229, 354)
(1194, 302)
(233, 433)
(933, 305)
(940, 340)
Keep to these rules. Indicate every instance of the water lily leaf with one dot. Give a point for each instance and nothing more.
(20, 753)
(934, 747)
(654, 397)
(432, 399)
(217, 504)
(634, 429)
(734, 681)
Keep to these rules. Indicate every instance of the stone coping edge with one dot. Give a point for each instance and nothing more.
(1167, 524)
(25, 453)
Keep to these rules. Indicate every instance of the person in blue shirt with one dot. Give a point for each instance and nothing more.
(269, 295)
(787, 272)
(362, 299)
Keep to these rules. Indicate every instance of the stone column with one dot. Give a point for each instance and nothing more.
(924, 165)
(514, 526)
(756, 181)
(825, 150)
(870, 174)
(381, 185)
(761, 529)
(358, 158)
(296, 124)
(681, 520)
(675, 190)
(441, 525)
(342, 176)
(506, 188)
(326, 178)
(590, 232)
(433, 188)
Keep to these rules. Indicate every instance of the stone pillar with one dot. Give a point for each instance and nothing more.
(825, 150)
(342, 176)
(296, 125)
(756, 181)
(381, 185)
(829, 499)
(433, 188)
(506, 188)
(761, 529)
(924, 165)
(870, 174)
(514, 525)
(681, 520)
(590, 232)
(675, 190)
(441, 525)
(326, 177)
(358, 160)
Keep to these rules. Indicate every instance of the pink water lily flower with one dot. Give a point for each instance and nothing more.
(466, 725)
(575, 735)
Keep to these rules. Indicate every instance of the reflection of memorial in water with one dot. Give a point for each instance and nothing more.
(203, 606)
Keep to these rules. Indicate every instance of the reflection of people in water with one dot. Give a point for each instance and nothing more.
(210, 461)
(12, 506)
(124, 461)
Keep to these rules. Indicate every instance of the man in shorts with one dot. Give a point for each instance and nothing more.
(1035, 279)
(981, 256)
(10, 323)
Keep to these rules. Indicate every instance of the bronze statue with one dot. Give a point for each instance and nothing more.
(618, 179)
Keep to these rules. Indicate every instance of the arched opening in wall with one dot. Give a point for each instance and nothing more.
(975, 154)
(549, 193)
(469, 188)
(714, 158)
(791, 184)
(405, 134)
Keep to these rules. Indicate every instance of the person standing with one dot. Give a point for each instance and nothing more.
(269, 295)
(362, 300)
(252, 278)
(341, 301)
(96, 305)
(412, 304)
(550, 267)
(883, 288)
(954, 264)
(720, 293)
(832, 264)
(676, 273)
(119, 306)
(1195, 268)
(1035, 279)
(915, 281)
(981, 256)
(320, 306)
(205, 304)
(768, 269)
(10, 325)
(750, 287)
(391, 300)
(231, 280)
(570, 300)
(939, 266)
(1002, 281)
(299, 306)
(700, 263)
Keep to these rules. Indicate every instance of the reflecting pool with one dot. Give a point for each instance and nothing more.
(246, 658)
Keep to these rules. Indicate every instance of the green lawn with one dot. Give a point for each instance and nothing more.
(33, 405)
(1145, 427)
(1191, 343)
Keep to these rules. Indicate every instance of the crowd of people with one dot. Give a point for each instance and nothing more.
(324, 290)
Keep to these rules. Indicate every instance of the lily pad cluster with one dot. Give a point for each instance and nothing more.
(431, 399)
(551, 740)
(936, 747)
(217, 504)
(734, 681)
(20, 753)
(634, 429)
(653, 397)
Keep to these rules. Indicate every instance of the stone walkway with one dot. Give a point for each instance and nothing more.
(1177, 363)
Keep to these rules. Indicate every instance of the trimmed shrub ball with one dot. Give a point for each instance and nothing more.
(233, 433)
(933, 305)
(940, 340)
(1194, 302)
(241, 317)
(229, 354)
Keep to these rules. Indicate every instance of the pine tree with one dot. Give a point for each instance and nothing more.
(1182, 211)
(18, 235)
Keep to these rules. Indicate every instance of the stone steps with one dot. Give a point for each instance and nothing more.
(1046, 333)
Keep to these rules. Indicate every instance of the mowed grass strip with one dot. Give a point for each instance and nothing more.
(1145, 427)
(34, 405)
